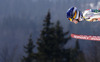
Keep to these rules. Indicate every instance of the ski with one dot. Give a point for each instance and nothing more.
(86, 37)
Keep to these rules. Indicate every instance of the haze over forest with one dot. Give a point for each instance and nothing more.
(20, 18)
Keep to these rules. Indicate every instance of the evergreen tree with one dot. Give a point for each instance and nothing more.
(45, 42)
(76, 55)
(60, 40)
(29, 51)
(51, 42)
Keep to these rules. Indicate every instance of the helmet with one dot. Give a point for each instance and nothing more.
(71, 13)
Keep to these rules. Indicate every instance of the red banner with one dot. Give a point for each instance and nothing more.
(86, 37)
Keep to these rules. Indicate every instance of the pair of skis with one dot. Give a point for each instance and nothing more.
(86, 37)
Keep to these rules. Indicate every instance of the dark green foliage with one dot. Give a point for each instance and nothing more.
(76, 55)
(29, 51)
(51, 42)
(61, 40)
(45, 42)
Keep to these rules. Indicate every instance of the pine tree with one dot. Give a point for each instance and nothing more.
(29, 51)
(45, 40)
(60, 41)
(76, 55)
(51, 42)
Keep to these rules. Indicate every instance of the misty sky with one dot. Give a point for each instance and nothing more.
(19, 18)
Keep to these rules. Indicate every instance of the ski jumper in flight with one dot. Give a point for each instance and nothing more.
(76, 16)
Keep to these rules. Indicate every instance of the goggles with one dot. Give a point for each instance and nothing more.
(71, 19)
